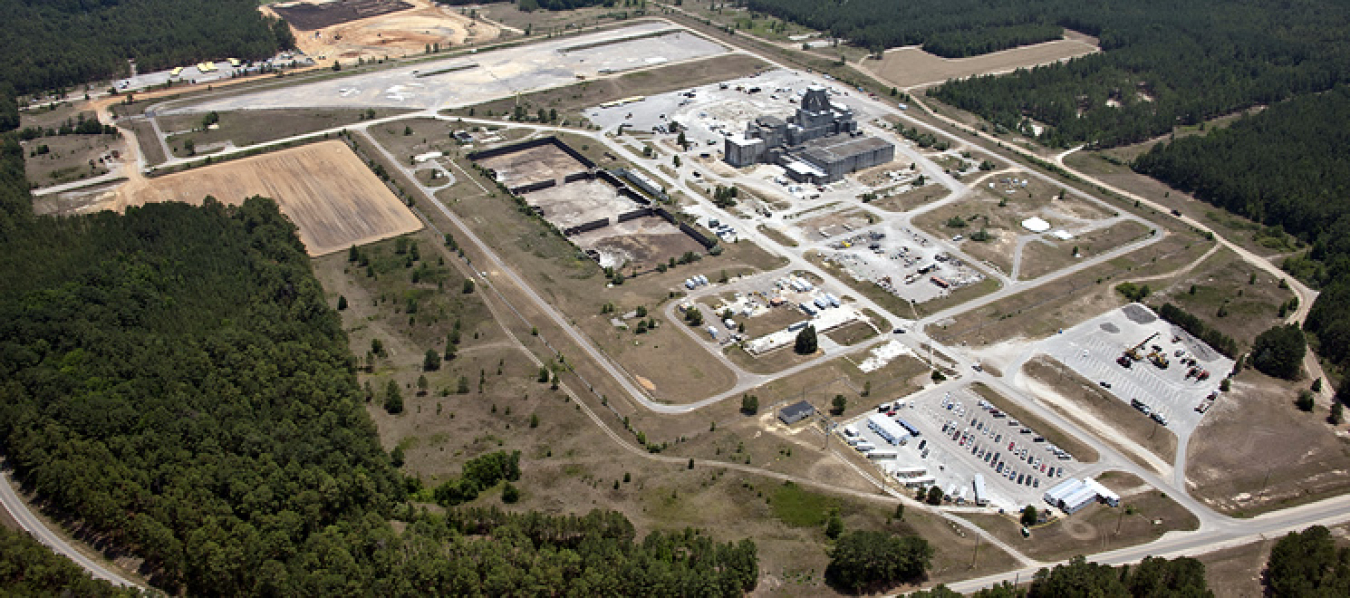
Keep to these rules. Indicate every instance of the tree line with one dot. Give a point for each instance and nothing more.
(1164, 63)
(1287, 168)
(58, 44)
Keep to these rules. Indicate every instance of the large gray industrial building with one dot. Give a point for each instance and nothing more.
(820, 144)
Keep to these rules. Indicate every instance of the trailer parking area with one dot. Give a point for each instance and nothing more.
(962, 435)
(1175, 393)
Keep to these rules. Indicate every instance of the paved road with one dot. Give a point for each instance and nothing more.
(1215, 529)
(18, 509)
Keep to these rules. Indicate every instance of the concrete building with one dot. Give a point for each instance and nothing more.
(820, 144)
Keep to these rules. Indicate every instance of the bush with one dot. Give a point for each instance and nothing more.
(861, 559)
(1305, 401)
(1134, 293)
(1279, 352)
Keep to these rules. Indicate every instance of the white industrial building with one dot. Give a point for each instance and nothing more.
(887, 429)
(1073, 495)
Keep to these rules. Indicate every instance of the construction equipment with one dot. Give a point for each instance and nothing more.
(1159, 359)
(1133, 352)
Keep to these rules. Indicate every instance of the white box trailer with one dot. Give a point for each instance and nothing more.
(981, 495)
(884, 454)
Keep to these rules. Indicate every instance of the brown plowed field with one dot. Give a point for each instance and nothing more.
(324, 188)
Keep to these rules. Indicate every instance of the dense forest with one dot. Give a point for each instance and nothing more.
(27, 568)
(1285, 167)
(174, 379)
(1163, 63)
(57, 44)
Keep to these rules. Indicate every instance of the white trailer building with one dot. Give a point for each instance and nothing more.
(887, 429)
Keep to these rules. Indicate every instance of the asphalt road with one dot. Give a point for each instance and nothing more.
(18, 509)
(1216, 530)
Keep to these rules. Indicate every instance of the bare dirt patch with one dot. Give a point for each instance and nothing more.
(324, 188)
(377, 28)
(1255, 452)
(533, 165)
(911, 67)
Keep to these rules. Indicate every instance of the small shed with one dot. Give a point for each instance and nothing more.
(796, 412)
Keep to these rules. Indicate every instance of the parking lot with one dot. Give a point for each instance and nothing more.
(1176, 393)
(903, 261)
(961, 435)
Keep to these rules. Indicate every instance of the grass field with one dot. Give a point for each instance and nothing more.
(1098, 527)
(324, 188)
(911, 67)
(1237, 571)
(1041, 311)
(1086, 397)
(1079, 449)
(1046, 256)
(1224, 280)
(575, 285)
(243, 128)
(1249, 235)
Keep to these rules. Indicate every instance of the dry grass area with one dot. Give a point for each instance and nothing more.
(1041, 311)
(999, 211)
(1239, 230)
(1255, 452)
(69, 158)
(327, 191)
(852, 334)
(1079, 449)
(1047, 254)
(571, 99)
(569, 465)
(509, 16)
(402, 33)
(912, 67)
(1238, 571)
(904, 202)
(1224, 280)
(1085, 397)
(1144, 515)
(243, 128)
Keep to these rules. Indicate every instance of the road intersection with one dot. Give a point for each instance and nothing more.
(1216, 531)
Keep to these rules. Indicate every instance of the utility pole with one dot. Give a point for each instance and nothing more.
(1120, 520)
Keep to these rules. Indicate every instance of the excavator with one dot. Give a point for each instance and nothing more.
(1133, 352)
